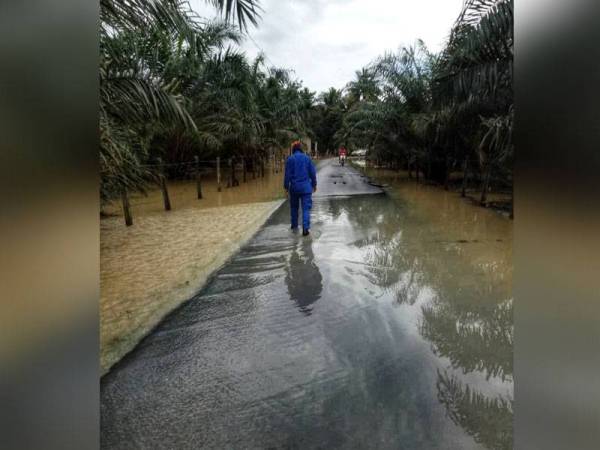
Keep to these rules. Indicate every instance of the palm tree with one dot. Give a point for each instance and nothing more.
(172, 14)
(433, 112)
(364, 87)
(474, 76)
(149, 51)
(496, 147)
(330, 112)
(384, 102)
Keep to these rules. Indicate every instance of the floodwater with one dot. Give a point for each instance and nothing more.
(389, 327)
(161, 261)
(183, 194)
(406, 186)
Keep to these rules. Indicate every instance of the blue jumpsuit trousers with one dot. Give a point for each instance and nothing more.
(295, 201)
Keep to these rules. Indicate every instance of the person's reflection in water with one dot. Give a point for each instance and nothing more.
(303, 278)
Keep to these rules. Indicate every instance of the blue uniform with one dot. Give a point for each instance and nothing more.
(300, 180)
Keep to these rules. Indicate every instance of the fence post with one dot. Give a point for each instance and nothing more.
(163, 186)
(244, 169)
(126, 209)
(198, 177)
(218, 174)
(486, 183)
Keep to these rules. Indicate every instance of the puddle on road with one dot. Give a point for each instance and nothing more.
(447, 267)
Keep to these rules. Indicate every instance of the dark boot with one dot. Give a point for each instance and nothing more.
(305, 232)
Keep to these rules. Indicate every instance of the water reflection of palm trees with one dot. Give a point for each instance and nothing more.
(303, 278)
(488, 420)
(394, 270)
(468, 320)
(471, 340)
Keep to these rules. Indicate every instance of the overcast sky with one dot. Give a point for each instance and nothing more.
(326, 41)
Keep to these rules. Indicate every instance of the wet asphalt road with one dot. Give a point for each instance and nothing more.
(312, 342)
(335, 180)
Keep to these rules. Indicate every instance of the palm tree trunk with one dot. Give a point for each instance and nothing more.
(428, 175)
(234, 180)
(463, 191)
(229, 180)
(417, 168)
(447, 174)
(485, 185)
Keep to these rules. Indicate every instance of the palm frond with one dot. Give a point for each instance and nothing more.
(245, 11)
(139, 101)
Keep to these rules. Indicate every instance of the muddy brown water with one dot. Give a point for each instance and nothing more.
(389, 327)
(151, 267)
(183, 194)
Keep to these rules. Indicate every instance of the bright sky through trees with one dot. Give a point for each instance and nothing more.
(326, 41)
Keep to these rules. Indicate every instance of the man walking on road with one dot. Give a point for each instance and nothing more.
(300, 182)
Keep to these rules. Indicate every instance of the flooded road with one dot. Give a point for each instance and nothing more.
(389, 327)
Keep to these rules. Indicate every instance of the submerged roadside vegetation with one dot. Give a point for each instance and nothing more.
(174, 86)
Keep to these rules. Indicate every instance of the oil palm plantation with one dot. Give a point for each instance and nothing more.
(149, 54)
(434, 114)
(393, 96)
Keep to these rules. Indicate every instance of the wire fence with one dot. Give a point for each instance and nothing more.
(183, 163)
(227, 174)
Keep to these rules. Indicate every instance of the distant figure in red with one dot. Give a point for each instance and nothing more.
(342, 155)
